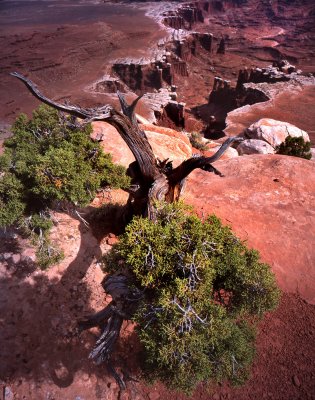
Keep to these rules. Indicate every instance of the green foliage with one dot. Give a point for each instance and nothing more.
(195, 139)
(202, 286)
(37, 226)
(49, 159)
(11, 198)
(48, 255)
(296, 147)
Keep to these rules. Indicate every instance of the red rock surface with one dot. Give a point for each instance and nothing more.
(165, 131)
(269, 201)
(165, 142)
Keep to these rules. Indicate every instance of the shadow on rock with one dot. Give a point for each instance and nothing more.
(39, 310)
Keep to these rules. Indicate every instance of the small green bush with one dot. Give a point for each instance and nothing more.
(49, 159)
(296, 147)
(202, 287)
(37, 227)
(195, 139)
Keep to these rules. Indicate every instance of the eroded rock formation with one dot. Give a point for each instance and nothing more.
(108, 84)
(185, 16)
(192, 44)
(278, 72)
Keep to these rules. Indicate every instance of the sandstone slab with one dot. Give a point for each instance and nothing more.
(274, 132)
(269, 201)
(165, 142)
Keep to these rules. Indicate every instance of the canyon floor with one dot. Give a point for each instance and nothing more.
(65, 47)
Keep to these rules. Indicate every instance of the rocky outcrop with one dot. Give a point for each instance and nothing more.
(164, 107)
(174, 21)
(254, 146)
(274, 132)
(185, 16)
(165, 142)
(221, 47)
(192, 45)
(246, 91)
(277, 72)
(149, 75)
(108, 84)
(141, 76)
(223, 93)
(268, 200)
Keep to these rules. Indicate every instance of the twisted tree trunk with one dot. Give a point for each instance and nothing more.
(152, 180)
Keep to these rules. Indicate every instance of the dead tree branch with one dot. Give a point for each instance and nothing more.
(152, 180)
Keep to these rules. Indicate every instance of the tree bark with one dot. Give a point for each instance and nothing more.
(152, 180)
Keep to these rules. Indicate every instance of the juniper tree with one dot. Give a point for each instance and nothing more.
(190, 285)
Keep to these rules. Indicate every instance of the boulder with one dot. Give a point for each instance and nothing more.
(274, 132)
(165, 142)
(269, 202)
(254, 146)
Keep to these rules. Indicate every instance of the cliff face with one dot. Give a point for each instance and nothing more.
(169, 65)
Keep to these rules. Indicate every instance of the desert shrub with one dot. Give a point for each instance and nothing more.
(12, 204)
(202, 291)
(49, 159)
(196, 141)
(36, 227)
(296, 147)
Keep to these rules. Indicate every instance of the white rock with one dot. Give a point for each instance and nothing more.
(7, 256)
(254, 146)
(16, 258)
(274, 132)
(8, 394)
